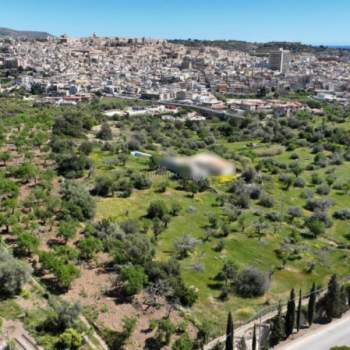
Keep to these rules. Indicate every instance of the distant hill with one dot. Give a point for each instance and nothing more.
(22, 34)
(252, 48)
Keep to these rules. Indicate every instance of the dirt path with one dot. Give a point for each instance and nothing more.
(14, 330)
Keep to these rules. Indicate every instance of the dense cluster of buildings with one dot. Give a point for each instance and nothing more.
(70, 70)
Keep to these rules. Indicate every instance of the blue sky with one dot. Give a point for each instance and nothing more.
(310, 21)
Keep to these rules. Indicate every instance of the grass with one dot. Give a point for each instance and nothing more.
(242, 247)
(9, 309)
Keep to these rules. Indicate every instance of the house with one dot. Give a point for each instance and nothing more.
(199, 166)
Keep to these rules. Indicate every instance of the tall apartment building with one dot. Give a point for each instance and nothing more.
(279, 60)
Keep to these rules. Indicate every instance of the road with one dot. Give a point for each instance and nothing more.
(325, 337)
(223, 113)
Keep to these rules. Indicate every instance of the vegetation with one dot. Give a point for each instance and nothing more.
(74, 200)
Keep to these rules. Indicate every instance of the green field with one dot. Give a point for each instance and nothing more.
(242, 247)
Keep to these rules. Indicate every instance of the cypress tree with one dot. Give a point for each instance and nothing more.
(277, 328)
(254, 339)
(229, 332)
(290, 316)
(333, 299)
(265, 340)
(347, 288)
(242, 344)
(299, 311)
(311, 305)
(343, 299)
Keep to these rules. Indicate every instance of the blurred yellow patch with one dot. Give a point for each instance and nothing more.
(225, 179)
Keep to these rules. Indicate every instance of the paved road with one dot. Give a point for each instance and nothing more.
(203, 109)
(336, 333)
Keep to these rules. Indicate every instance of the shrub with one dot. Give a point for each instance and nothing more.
(251, 283)
(323, 190)
(266, 201)
(316, 179)
(105, 132)
(134, 279)
(13, 274)
(89, 246)
(299, 182)
(295, 212)
(342, 214)
(185, 245)
(103, 186)
(27, 243)
(77, 202)
(141, 182)
(315, 225)
(157, 209)
(70, 340)
(183, 343)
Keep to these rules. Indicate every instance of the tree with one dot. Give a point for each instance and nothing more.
(299, 312)
(103, 186)
(117, 340)
(64, 272)
(133, 278)
(105, 132)
(65, 314)
(77, 202)
(183, 343)
(252, 282)
(67, 230)
(5, 157)
(86, 147)
(13, 274)
(229, 272)
(242, 344)
(27, 172)
(254, 338)
(27, 243)
(290, 316)
(70, 340)
(277, 333)
(184, 245)
(229, 332)
(157, 209)
(164, 332)
(311, 305)
(204, 333)
(89, 246)
(333, 304)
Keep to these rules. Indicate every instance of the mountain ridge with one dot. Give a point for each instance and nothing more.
(26, 34)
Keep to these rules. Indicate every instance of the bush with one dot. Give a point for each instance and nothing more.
(72, 166)
(134, 279)
(86, 147)
(103, 186)
(266, 201)
(13, 274)
(70, 340)
(105, 132)
(27, 243)
(157, 209)
(251, 283)
(183, 343)
(77, 202)
(315, 225)
(299, 182)
(141, 182)
(323, 190)
(343, 214)
(89, 246)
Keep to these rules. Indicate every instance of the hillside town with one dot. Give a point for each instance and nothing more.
(69, 70)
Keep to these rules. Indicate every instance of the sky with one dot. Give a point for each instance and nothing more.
(308, 21)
